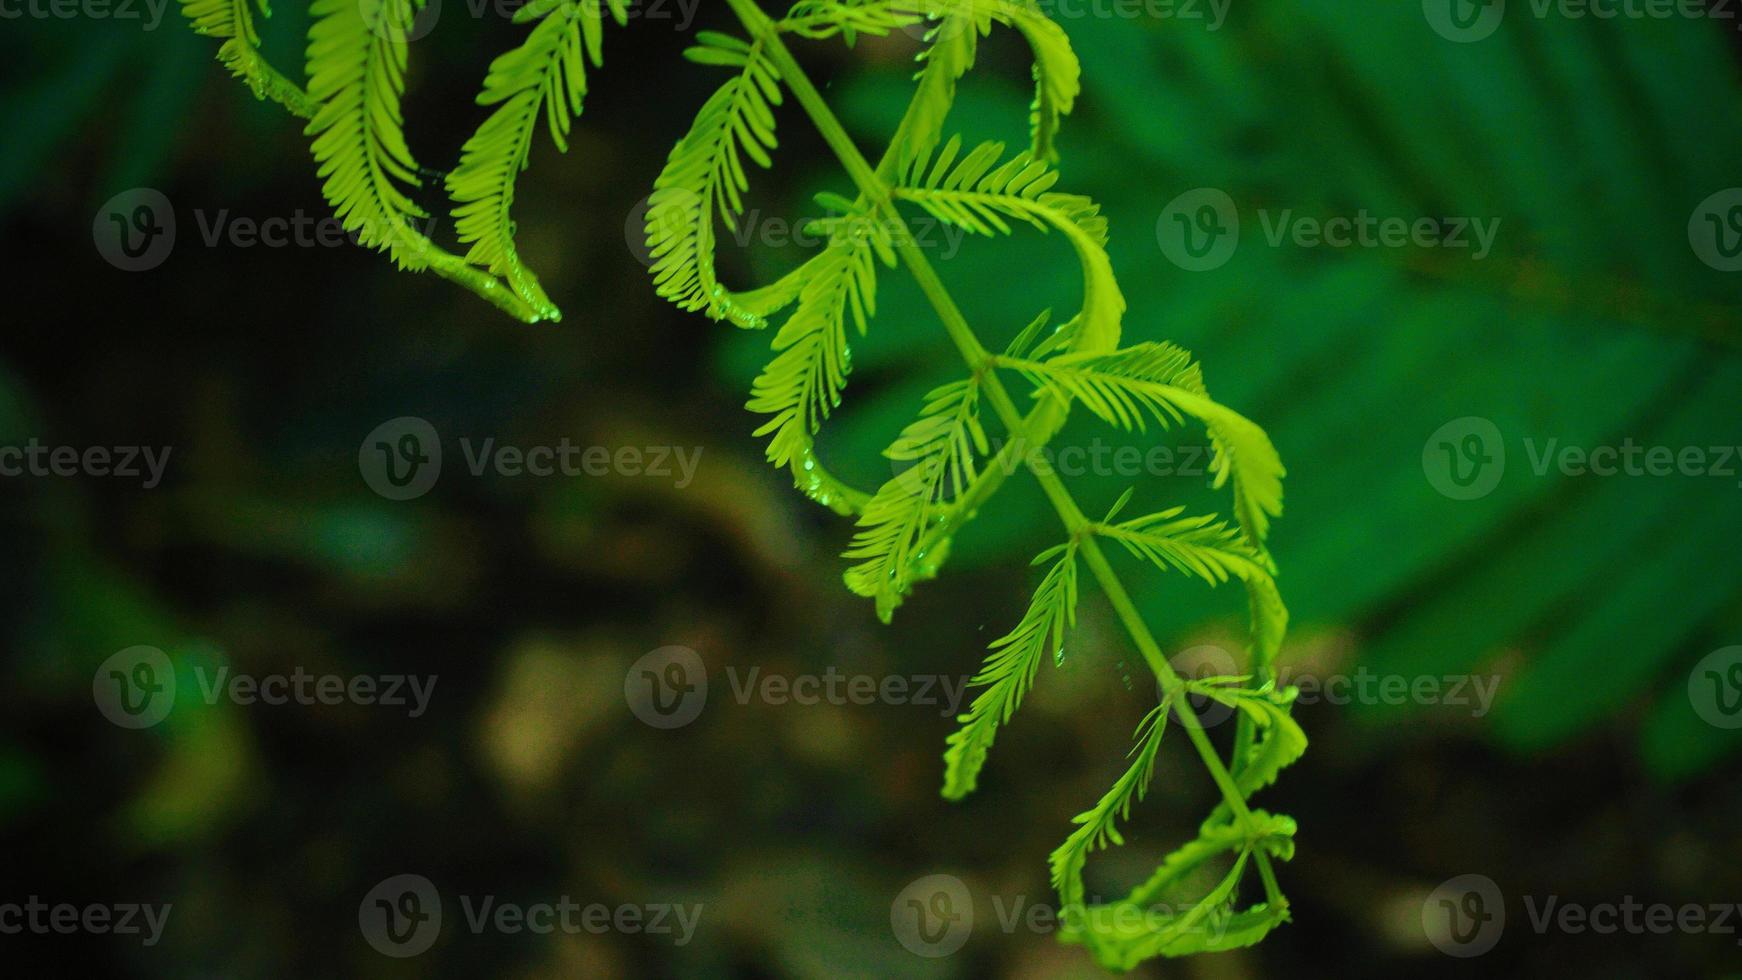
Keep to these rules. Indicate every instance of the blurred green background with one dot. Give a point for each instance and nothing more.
(1588, 600)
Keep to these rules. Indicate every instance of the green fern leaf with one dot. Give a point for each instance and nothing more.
(1057, 74)
(975, 195)
(1098, 826)
(1228, 930)
(1281, 742)
(356, 68)
(822, 19)
(1269, 624)
(803, 383)
(1010, 669)
(1272, 833)
(1200, 546)
(705, 176)
(1159, 380)
(953, 45)
(941, 446)
(546, 74)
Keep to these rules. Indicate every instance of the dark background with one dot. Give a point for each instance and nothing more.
(529, 778)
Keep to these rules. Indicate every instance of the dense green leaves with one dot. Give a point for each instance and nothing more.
(1590, 321)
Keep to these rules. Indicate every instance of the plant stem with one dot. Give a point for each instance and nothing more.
(876, 190)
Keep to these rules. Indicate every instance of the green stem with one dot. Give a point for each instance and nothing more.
(487, 287)
(876, 191)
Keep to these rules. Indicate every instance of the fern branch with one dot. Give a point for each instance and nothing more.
(875, 190)
(233, 20)
(356, 67)
(822, 19)
(953, 46)
(1124, 933)
(1280, 741)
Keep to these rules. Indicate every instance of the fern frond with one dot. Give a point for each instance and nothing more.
(1272, 833)
(975, 195)
(546, 74)
(356, 69)
(1224, 931)
(822, 19)
(1269, 623)
(233, 20)
(1124, 386)
(1242, 452)
(1160, 381)
(803, 383)
(1057, 73)
(1009, 670)
(1200, 546)
(1098, 826)
(949, 433)
(705, 176)
(941, 445)
(953, 45)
